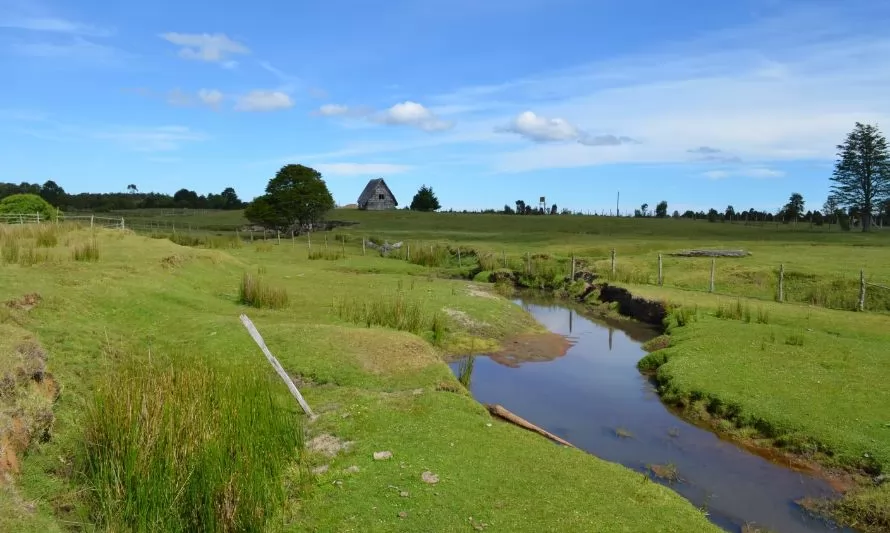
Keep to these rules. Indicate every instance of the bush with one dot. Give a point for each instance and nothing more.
(27, 204)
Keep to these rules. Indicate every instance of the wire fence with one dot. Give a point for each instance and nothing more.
(92, 221)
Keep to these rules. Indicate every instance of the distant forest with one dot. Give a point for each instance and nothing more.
(132, 199)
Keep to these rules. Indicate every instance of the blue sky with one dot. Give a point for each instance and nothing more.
(697, 103)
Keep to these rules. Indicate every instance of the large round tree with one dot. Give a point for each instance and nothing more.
(295, 198)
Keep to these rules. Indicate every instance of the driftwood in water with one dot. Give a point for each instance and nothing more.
(711, 253)
(504, 414)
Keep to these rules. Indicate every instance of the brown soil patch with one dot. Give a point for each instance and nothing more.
(479, 293)
(327, 445)
(25, 303)
(532, 347)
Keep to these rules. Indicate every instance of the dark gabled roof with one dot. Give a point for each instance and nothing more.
(369, 190)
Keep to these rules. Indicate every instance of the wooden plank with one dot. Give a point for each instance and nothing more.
(276, 365)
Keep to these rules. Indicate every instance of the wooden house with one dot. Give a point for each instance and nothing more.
(377, 196)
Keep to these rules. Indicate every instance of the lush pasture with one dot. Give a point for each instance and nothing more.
(143, 438)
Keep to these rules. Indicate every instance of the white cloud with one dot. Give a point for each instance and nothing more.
(332, 110)
(213, 48)
(261, 100)
(53, 25)
(410, 113)
(541, 129)
(211, 97)
(359, 169)
(755, 172)
(156, 139)
(77, 49)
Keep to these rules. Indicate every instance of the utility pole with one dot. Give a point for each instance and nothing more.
(617, 200)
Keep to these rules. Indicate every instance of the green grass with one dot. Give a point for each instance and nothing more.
(86, 252)
(376, 387)
(188, 448)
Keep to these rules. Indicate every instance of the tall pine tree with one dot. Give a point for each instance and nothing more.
(862, 172)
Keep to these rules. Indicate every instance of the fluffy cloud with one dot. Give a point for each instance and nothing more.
(213, 48)
(210, 97)
(360, 169)
(543, 130)
(261, 100)
(413, 114)
(333, 110)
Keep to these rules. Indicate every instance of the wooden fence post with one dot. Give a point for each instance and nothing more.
(528, 263)
(713, 267)
(308, 241)
(91, 221)
(505, 258)
(38, 218)
(862, 290)
(573, 267)
(276, 365)
(122, 223)
(459, 265)
(277, 234)
(326, 241)
(363, 246)
(781, 283)
(660, 278)
(293, 239)
(613, 262)
(407, 252)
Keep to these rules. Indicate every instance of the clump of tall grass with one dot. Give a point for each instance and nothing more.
(734, 311)
(255, 292)
(394, 312)
(47, 236)
(431, 256)
(325, 254)
(86, 252)
(465, 370)
(795, 339)
(488, 261)
(220, 242)
(31, 257)
(10, 251)
(685, 315)
(762, 315)
(188, 449)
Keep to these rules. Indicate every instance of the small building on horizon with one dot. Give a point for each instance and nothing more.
(377, 196)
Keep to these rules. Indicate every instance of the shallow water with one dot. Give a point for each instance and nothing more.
(594, 390)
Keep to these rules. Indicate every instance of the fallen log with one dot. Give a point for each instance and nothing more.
(502, 413)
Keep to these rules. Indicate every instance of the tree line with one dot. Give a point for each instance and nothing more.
(132, 199)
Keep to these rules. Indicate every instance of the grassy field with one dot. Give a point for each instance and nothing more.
(161, 388)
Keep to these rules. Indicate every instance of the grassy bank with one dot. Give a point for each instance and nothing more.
(145, 302)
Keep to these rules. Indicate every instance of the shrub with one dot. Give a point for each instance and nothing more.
(27, 204)
(256, 293)
(188, 449)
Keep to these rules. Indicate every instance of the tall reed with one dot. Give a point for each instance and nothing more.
(256, 292)
(188, 448)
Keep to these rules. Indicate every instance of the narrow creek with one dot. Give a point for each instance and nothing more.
(594, 397)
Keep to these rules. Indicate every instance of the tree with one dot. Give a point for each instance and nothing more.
(508, 210)
(185, 198)
(729, 214)
(553, 209)
(713, 215)
(520, 207)
(794, 208)
(132, 188)
(861, 175)
(644, 210)
(27, 204)
(676, 214)
(296, 197)
(230, 199)
(425, 200)
(52, 193)
(661, 210)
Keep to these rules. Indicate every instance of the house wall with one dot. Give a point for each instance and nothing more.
(376, 204)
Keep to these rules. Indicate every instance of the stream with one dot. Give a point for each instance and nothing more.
(594, 397)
